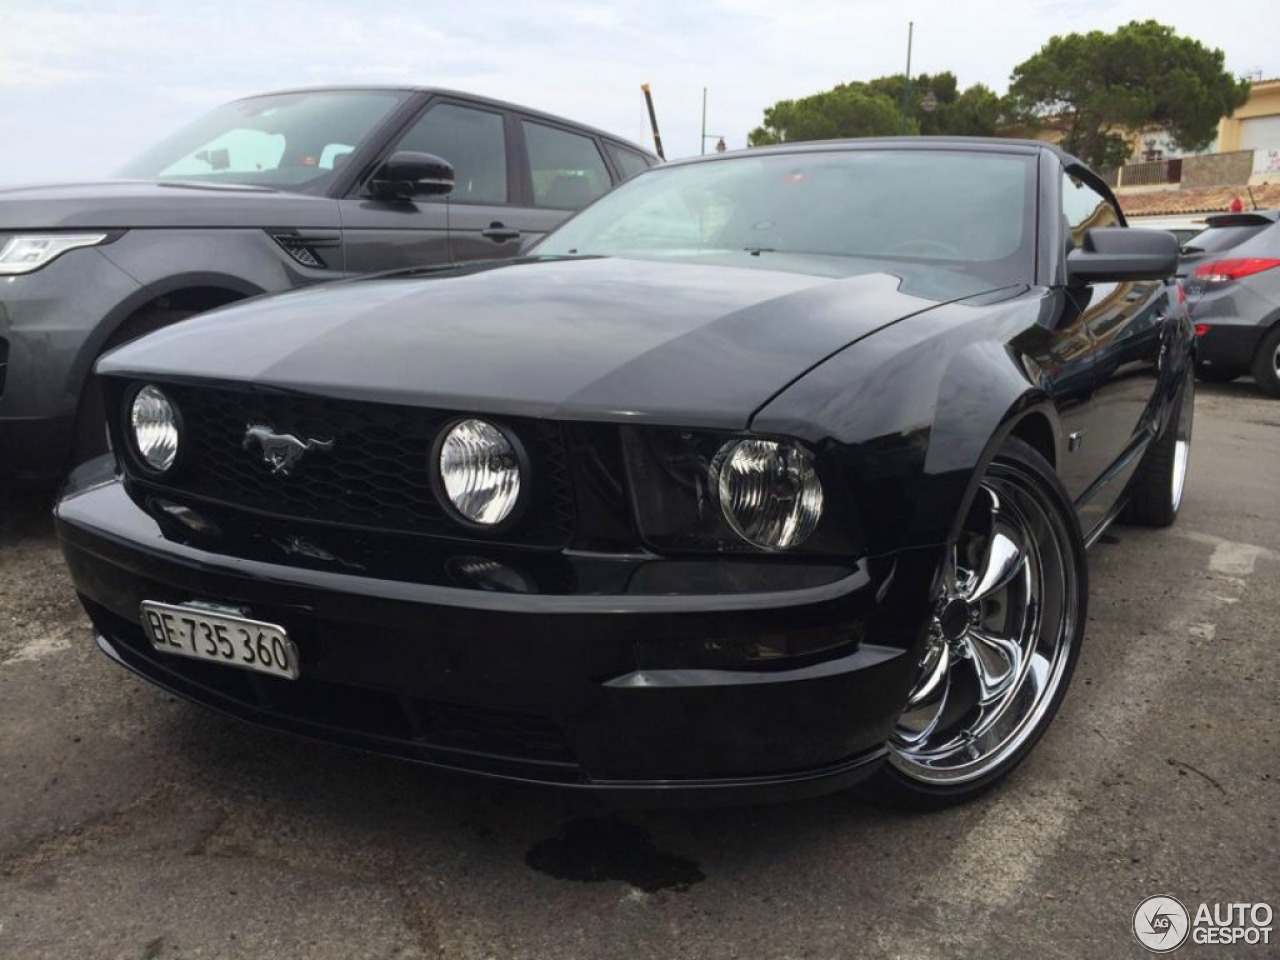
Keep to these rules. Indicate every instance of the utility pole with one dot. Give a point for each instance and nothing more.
(703, 142)
(906, 81)
(709, 136)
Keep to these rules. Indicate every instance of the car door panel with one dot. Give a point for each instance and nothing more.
(1126, 326)
(385, 235)
(483, 232)
(1063, 358)
(381, 235)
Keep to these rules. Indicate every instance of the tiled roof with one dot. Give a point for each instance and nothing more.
(1198, 200)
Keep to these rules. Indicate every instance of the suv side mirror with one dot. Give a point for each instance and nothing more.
(1116, 254)
(406, 175)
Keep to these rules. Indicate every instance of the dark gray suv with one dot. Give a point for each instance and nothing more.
(262, 195)
(1233, 295)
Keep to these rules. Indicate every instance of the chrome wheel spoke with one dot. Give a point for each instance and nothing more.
(1004, 559)
(995, 661)
(929, 700)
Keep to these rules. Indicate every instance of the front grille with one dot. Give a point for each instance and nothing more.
(374, 476)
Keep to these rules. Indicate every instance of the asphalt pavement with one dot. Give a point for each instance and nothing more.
(136, 826)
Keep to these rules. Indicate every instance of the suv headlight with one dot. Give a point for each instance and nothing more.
(29, 252)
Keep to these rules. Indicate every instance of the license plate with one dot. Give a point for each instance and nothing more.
(196, 631)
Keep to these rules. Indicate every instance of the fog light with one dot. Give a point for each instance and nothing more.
(479, 469)
(154, 420)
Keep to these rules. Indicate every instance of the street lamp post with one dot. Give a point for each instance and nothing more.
(720, 147)
(906, 81)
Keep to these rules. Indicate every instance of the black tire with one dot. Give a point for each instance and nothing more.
(1155, 492)
(1030, 603)
(91, 418)
(1216, 374)
(1266, 364)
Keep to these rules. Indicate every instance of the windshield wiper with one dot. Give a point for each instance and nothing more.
(756, 251)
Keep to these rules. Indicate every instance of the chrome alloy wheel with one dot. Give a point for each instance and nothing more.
(1000, 640)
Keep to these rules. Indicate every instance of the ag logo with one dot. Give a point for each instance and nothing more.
(1161, 924)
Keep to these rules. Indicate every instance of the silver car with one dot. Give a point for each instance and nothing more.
(1233, 295)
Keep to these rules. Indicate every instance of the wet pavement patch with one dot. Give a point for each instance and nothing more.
(592, 850)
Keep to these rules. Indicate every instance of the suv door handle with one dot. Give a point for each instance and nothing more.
(500, 233)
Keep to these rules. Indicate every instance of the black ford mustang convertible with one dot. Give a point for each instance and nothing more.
(765, 474)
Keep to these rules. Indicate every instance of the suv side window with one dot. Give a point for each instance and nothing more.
(474, 141)
(1085, 208)
(628, 162)
(567, 169)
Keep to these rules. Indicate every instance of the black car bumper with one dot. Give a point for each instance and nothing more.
(1230, 346)
(780, 693)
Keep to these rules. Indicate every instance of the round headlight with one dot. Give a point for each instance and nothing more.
(769, 492)
(479, 470)
(154, 420)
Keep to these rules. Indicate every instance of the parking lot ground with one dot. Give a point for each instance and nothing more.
(135, 826)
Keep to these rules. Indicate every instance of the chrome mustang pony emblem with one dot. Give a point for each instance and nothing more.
(281, 451)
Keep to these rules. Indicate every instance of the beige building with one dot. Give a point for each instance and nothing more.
(1256, 127)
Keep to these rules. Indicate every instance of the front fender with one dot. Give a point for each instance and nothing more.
(162, 260)
(244, 262)
(911, 415)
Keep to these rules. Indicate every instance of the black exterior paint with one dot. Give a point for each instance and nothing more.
(578, 339)
(650, 669)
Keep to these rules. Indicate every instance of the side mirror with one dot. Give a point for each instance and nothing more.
(406, 175)
(1116, 254)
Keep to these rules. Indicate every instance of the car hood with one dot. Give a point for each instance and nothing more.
(593, 339)
(122, 204)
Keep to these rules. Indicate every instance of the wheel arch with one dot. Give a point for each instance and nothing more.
(1269, 323)
(197, 291)
(986, 396)
(1033, 420)
(1267, 381)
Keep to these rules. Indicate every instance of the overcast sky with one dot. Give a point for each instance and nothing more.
(85, 84)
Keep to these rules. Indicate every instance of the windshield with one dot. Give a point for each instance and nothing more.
(286, 140)
(968, 211)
